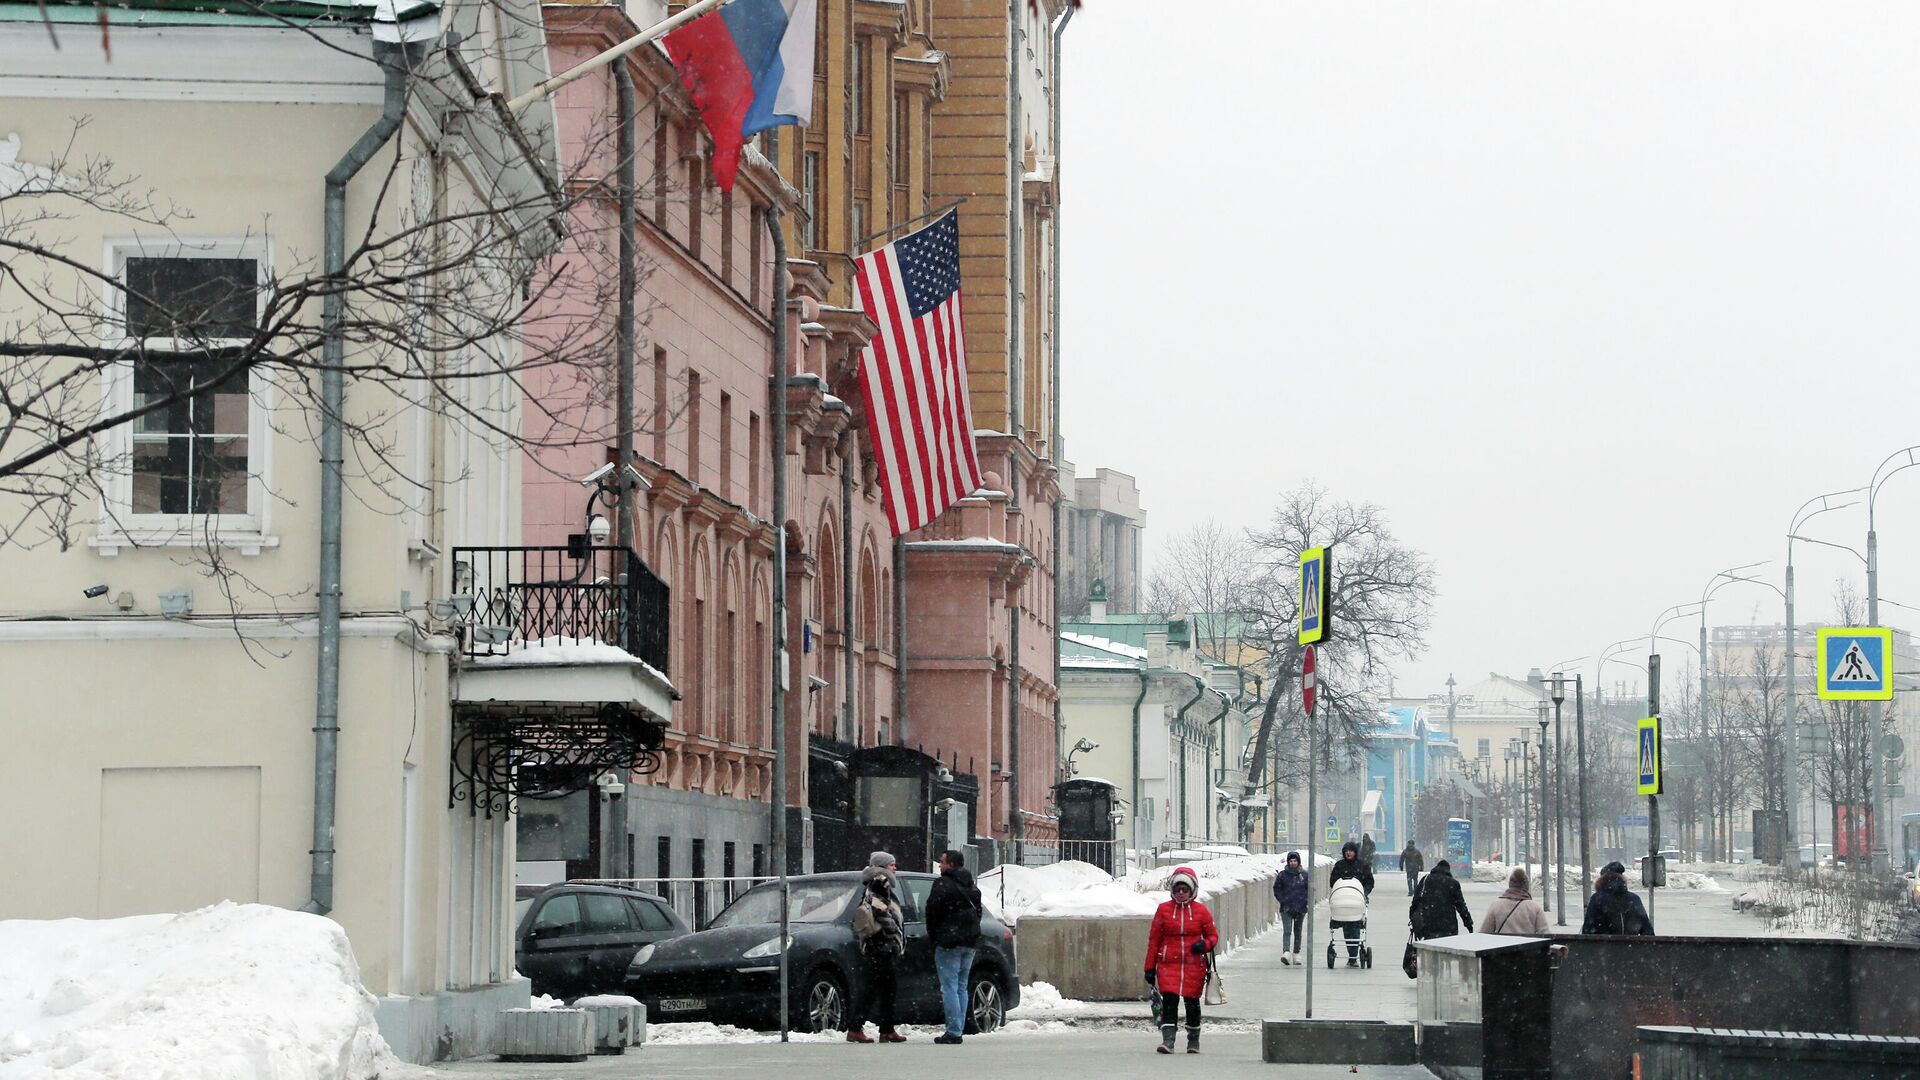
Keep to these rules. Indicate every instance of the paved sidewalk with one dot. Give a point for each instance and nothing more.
(1101, 1053)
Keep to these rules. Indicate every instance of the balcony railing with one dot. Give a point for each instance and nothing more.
(527, 595)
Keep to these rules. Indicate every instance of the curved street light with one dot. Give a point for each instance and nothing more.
(1807, 512)
(1714, 584)
(1876, 787)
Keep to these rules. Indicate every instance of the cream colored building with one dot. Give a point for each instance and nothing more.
(160, 650)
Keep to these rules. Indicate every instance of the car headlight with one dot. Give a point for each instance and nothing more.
(645, 954)
(769, 947)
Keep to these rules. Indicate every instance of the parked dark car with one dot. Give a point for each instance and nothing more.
(573, 940)
(730, 972)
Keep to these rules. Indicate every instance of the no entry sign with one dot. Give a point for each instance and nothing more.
(1308, 690)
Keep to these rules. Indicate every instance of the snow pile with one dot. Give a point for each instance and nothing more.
(1011, 891)
(1108, 900)
(547, 1001)
(1039, 999)
(704, 1034)
(230, 991)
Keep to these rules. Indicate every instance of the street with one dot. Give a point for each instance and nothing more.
(1112, 1039)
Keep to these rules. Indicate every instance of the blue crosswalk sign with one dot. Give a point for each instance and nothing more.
(1649, 756)
(1855, 663)
(1316, 596)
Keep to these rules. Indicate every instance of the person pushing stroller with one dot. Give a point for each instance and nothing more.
(1351, 886)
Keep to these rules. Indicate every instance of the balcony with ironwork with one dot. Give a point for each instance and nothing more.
(562, 672)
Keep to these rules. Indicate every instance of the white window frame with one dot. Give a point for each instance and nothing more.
(248, 533)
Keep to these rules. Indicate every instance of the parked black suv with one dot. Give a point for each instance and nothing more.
(574, 940)
(730, 972)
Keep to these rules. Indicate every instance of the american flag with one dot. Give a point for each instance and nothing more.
(914, 373)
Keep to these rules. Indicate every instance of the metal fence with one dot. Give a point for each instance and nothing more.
(584, 593)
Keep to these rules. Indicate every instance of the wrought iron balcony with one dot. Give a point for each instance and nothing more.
(587, 593)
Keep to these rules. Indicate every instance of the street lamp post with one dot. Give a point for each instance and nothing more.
(1559, 684)
(1522, 753)
(1876, 785)
(1714, 584)
(1791, 754)
(1546, 852)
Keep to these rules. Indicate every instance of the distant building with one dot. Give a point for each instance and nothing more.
(1103, 521)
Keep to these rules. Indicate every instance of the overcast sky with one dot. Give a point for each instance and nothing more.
(1589, 297)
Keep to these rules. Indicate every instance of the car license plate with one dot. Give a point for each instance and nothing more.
(683, 1004)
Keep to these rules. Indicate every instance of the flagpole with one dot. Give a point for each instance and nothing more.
(651, 33)
(891, 229)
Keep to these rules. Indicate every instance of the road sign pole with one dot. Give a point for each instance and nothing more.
(1653, 798)
(1313, 846)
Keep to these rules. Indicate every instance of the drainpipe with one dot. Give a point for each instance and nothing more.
(1137, 702)
(333, 394)
(629, 285)
(1058, 447)
(1053, 364)
(1016, 829)
(1016, 228)
(1221, 734)
(1179, 723)
(851, 732)
(778, 444)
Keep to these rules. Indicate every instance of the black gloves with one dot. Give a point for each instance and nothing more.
(1200, 946)
(1151, 981)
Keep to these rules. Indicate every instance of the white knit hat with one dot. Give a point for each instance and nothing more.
(1184, 876)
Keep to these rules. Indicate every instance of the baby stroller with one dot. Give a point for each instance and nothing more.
(1347, 907)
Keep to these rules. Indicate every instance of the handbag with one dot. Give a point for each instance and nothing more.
(1410, 963)
(1215, 991)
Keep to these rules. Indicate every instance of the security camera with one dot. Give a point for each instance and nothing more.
(816, 683)
(943, 774)
(947, 804)
(599, 528)
(596, 475)
(94, 592)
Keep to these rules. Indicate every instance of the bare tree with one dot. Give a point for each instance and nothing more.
(1382, 601)
(437, 298)
(1205, 572)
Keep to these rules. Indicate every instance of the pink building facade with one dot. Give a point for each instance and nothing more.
(705, 524)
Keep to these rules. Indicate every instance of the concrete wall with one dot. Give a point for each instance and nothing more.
(1096, 959)
(1606, 987)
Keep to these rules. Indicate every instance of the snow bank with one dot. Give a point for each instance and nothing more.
(1575, 879)
(236, 991)
(704, 1034)
(1084, 890)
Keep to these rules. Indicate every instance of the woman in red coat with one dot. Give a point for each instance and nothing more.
(1177, 949)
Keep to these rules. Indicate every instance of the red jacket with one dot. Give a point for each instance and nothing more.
(1176, 927)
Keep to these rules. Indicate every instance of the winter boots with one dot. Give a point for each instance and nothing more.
(1286, 958)
(1193, 1038)
(1167, 1032)
(1296, 959)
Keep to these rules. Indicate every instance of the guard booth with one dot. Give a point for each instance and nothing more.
(886, 798)
(1088, 821)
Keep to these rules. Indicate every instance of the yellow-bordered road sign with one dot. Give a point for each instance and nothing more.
(1648, 756)
(1333, 834)
(1855, 663)
(1316, 595)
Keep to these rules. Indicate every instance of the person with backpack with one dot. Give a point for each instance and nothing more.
(1436, 903)
(878, 924)
(953, 922)
(1613, 908)
(1516, 911)
(1290, 892)
(1179, 944)
(1412, 862)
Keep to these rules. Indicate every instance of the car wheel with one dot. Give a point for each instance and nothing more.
(986, 1006)
(823, 1002)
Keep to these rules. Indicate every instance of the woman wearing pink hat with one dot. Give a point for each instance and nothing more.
(1178, 946)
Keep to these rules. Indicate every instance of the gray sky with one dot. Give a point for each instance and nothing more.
(1590, 298)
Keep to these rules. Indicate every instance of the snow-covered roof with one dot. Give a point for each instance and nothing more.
(1104, 644)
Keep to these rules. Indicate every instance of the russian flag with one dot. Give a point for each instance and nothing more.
(748, 67)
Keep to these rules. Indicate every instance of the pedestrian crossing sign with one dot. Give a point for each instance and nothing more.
(1316, 596)
(1855, 663)
(1333, 834)
(1649, 756)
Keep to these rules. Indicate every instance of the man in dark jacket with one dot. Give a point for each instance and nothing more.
(1290, 892)
(1613, 908)
(1366, 849)
(1412, 862)
(1352, 866)
(953, 922)
(1436, 902)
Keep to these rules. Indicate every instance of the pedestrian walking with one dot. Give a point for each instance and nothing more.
(1412, 862)
(1436, 903)
(878, 924)
(1516, 911)
(1181, 940)
(953, 922)
(1366, 849)
(1613, 908)
(1290, 892)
